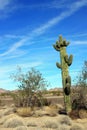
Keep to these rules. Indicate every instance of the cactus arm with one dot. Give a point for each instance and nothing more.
(70, 60)
(56, 48)
(58, 65)
(65, 43)
(57, 44)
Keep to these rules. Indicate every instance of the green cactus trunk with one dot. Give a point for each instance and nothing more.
(65, 74)
(65, 63)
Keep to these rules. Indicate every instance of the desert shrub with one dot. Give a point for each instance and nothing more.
(51, 124)
(21, 128)
(9, 111)
(74, 114)
(25, 111)
(76, 127)
(45, 102)
(79, 98)
(82, 113)
(65, 120)
(31, 88)
(13, 122)
(50, 111)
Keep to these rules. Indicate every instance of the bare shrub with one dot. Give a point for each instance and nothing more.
(13, 122)
(24, 111)
(76, 127)
(79, 98)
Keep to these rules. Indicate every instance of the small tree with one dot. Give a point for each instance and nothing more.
(30, 84)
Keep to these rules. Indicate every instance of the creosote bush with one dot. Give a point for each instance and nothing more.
(32, 86)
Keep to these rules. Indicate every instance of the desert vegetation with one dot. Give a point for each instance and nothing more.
(33, 107)
(44, 116)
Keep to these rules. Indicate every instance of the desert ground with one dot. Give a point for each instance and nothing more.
(45, 118)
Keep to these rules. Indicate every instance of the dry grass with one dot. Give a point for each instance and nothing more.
(5, 118)
(50, 110)
(77, 127)
(8, 111)
(51, 124)
(31, 124)
(39, 113)
(13, 122)
(21, 128)
(63, 127)
(65, 120)
(25, 111)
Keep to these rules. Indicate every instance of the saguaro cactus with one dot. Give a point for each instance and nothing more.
(66, 61)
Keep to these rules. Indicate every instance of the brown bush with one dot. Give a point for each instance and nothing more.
(82, 113)
(74, 114)
(24, 111)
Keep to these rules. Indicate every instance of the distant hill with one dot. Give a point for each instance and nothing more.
(56, 89)
(3, 90)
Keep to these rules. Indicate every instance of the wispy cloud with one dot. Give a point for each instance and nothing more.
(10, 36)
(6, 8)
(79, 42)
(77, 35)
(43, 28)
(4, 4)
(6, 71)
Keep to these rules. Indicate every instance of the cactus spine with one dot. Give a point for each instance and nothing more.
(65, 63)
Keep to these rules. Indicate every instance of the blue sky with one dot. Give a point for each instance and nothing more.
(29, 28)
